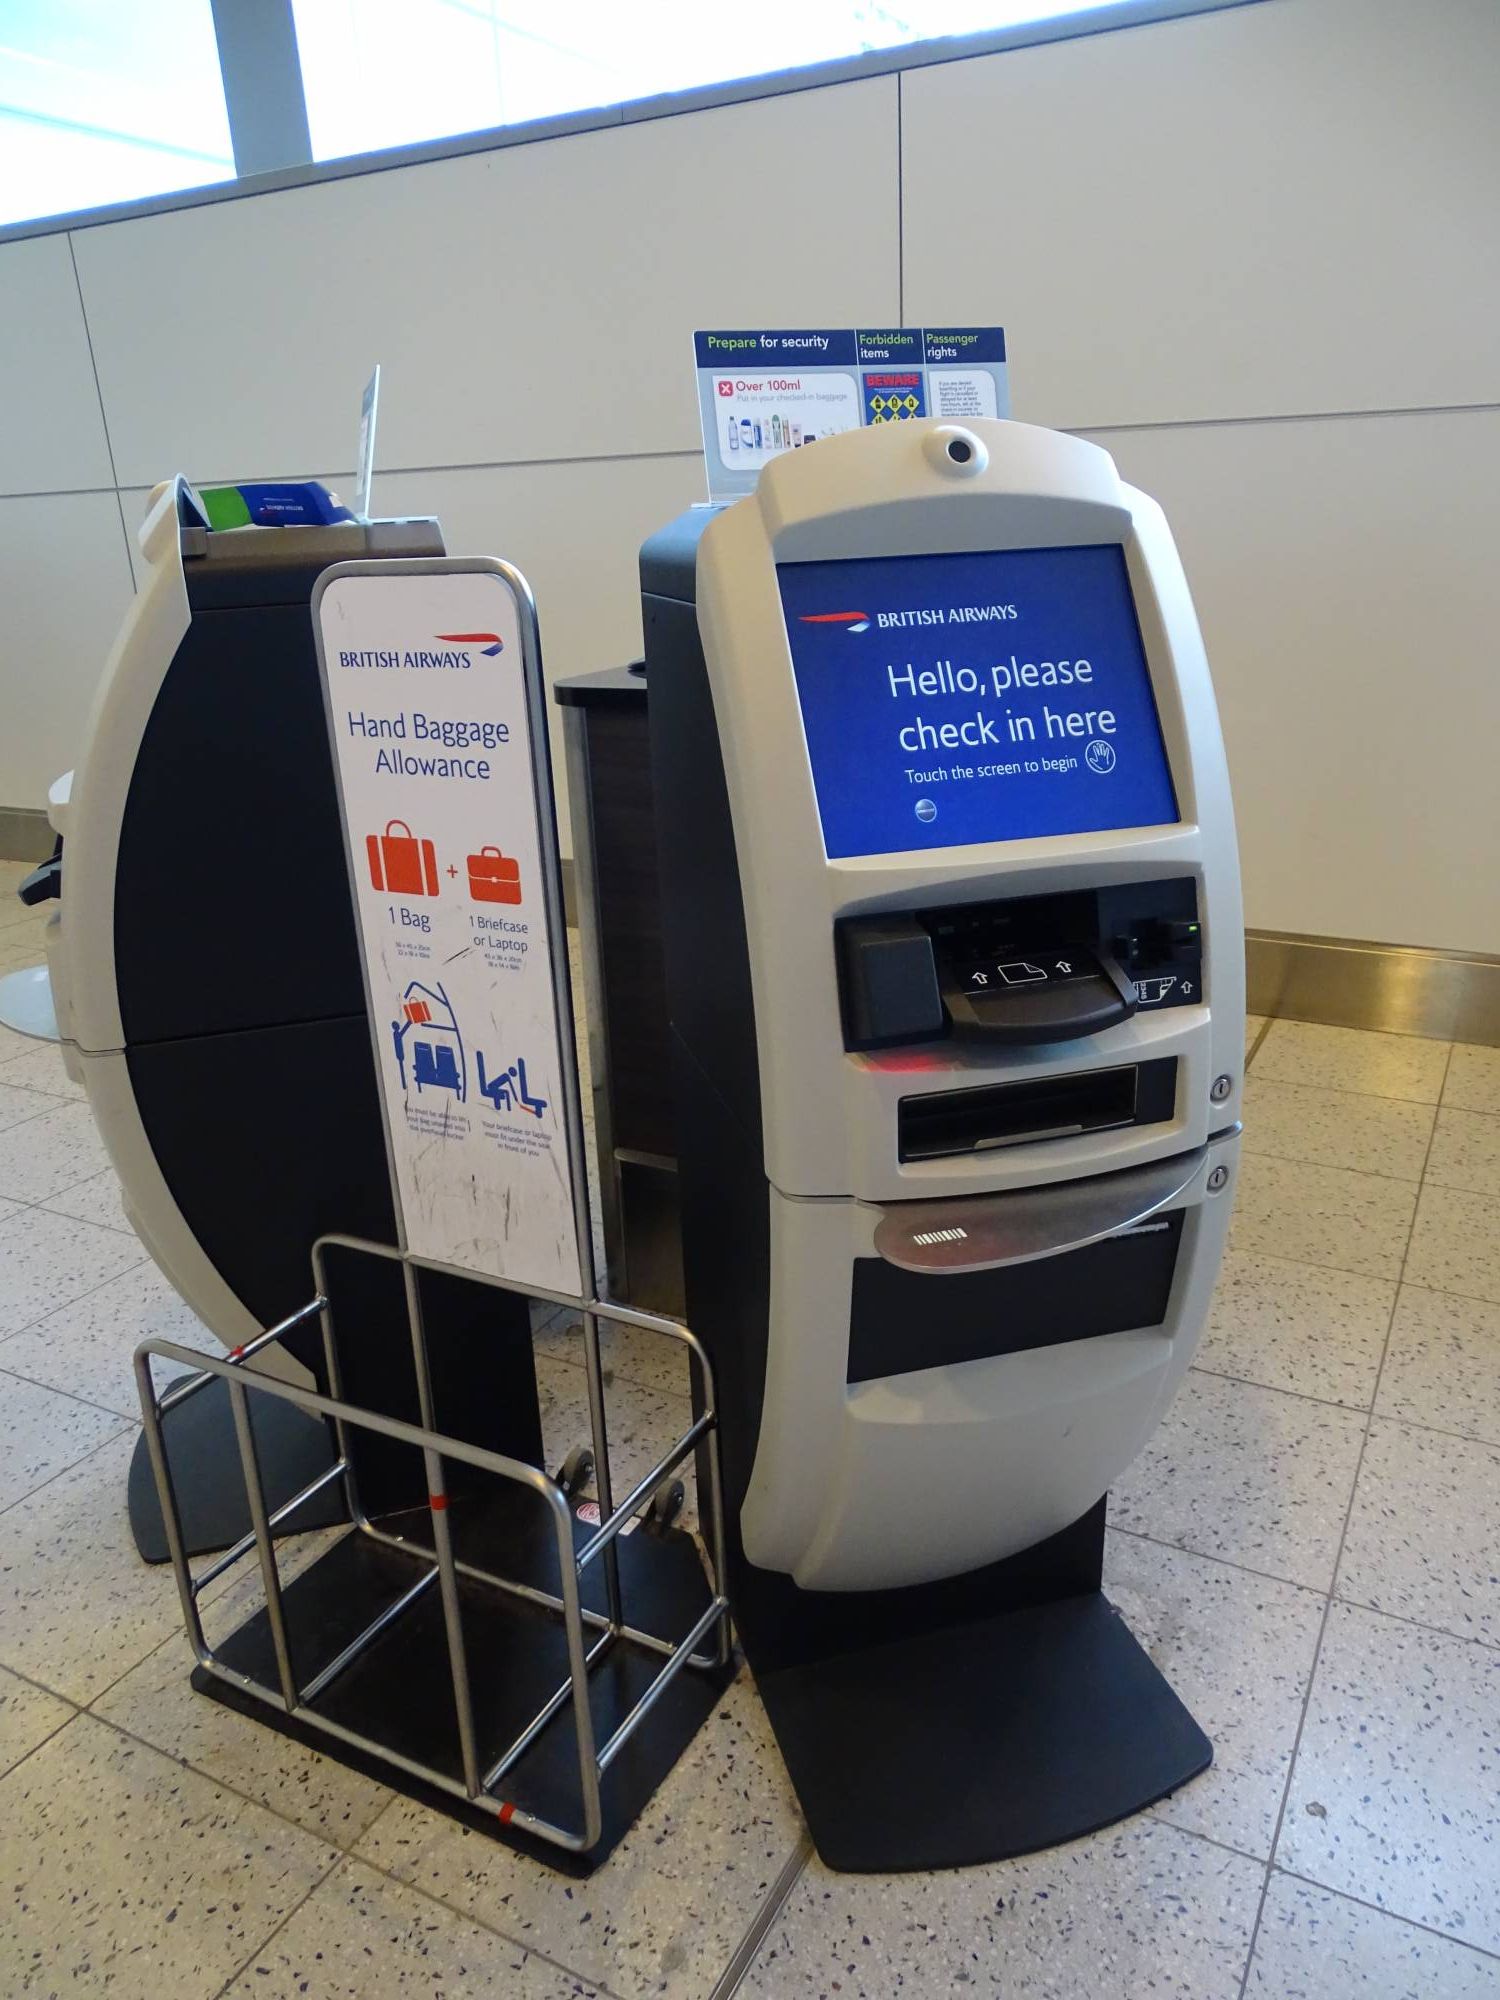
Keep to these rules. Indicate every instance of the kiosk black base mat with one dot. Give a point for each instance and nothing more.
(398, 1692)
(978, 1742)
(205, 1460)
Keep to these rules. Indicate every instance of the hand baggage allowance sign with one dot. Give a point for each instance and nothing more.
(432, 680)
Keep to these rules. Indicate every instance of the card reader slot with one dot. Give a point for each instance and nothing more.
(939, 1124)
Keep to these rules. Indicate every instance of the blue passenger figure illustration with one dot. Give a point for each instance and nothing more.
(498, 1089)
(437, 1048)
(508, 1091)
(535, 1105)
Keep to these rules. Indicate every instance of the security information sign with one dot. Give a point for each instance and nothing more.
(764, 393)
(433, 687)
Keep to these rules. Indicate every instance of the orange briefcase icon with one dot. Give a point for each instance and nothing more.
(400, 864)
(493, 879)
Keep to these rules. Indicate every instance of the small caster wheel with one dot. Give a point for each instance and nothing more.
(666, 1505)
(577, 1470)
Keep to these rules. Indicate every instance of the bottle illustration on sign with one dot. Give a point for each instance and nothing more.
(734, 434)
(427, 1038)
(493, 878)
(508, 1091)
(400, 864)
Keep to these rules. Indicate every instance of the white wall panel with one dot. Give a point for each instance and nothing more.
(64, 585)
(1346, 578)
(132, 512)
(532, 303)
(575, 532)
(1285, 207)
(51, 432)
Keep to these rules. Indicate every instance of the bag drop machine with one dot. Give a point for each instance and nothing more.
(209, 997)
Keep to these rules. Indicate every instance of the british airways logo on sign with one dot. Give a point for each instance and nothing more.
(489, 643)
(852, 621)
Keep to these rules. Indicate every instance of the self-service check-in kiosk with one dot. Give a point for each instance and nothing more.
(954, 950)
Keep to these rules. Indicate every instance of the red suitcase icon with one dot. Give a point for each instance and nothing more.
(492, 878)
(400, 864)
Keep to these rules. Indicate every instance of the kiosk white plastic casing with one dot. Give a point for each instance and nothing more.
(934, 1471)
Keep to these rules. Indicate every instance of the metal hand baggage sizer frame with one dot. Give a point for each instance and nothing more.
(307, 1665)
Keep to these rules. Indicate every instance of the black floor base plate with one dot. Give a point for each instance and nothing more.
(205, 1460)
(399, 1692)
(981, 1741)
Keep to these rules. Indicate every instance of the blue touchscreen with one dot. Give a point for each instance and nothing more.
(955, 699)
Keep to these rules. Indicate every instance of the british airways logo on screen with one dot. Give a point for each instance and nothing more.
(952, 614)
(852, 621)
(489, 643)
(949, 614)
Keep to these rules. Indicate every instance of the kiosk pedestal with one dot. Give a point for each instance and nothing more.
(294, 1451)
(953, 942)
(948, 1730)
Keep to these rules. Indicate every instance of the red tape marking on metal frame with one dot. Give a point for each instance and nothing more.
(507, 1813)
(438, 1502)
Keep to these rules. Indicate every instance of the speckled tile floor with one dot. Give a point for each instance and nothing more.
(1307, 1548)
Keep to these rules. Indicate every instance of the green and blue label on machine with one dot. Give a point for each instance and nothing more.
(762, 393)
(295, 503)
(271, 503)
